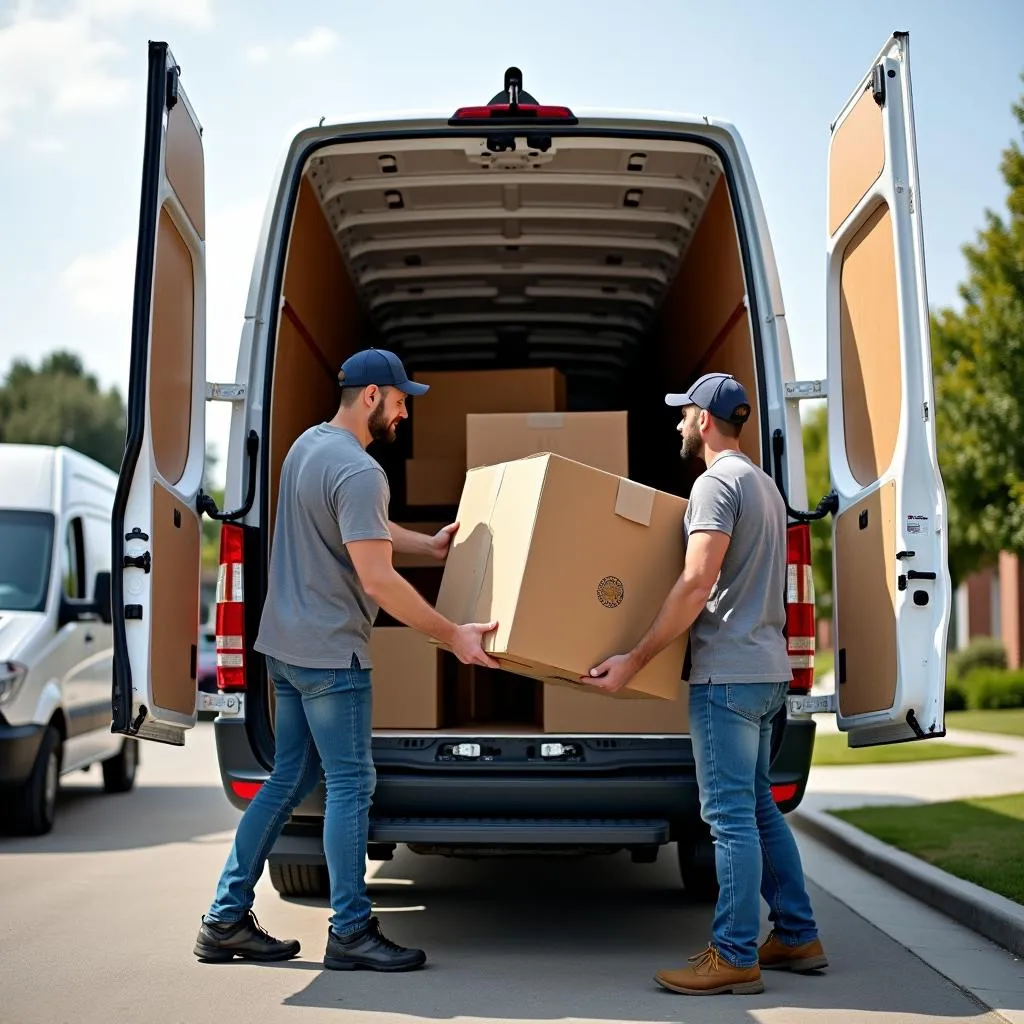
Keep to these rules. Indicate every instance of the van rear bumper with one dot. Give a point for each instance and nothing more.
(19, 747)
(642, 779)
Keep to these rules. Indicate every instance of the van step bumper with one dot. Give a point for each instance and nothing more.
(520, 831)
(303, 844)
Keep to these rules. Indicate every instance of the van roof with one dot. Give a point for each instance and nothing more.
(570, 238)
(32, 475)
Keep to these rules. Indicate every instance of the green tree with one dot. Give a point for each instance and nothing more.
(978, 356)
(211, 528)
(815, 431)
(60, 403)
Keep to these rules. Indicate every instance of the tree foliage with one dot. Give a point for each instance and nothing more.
(978, 357)
(61, 404)
(815, 433)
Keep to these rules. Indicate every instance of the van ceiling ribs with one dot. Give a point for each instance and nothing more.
(452, 248)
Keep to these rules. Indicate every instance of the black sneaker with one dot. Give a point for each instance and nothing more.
(369, 950)
(219, 943)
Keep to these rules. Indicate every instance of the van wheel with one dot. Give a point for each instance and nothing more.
(697, 865)
(119, 771)
(35, 804)
(308, 881)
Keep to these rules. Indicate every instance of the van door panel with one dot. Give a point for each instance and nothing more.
(176, 551)
(870, 343)
(890, 638)
(171, 353)
(156, 530)
(865, 572)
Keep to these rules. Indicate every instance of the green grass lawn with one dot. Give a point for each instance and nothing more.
(831, 749)
(1009, 721)
(981, 841)
(823, 662)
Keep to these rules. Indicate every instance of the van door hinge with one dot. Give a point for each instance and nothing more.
(225, 392)
(143, 562)
(801, 390)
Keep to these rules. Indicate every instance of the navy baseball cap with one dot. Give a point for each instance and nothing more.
(720, 394)
(378, 366)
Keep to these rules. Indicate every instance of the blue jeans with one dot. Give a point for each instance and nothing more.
(322, 718)
(730, 726)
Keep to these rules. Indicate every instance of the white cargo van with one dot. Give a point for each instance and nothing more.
(632, 254)
(56, 645)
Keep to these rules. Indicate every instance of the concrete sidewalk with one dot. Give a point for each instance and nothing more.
(833, 788)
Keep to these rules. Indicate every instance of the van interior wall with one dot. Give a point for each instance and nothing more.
(703, 327)
(320, 324)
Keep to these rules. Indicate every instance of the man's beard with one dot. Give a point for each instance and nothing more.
(692, 445)
(380, 429)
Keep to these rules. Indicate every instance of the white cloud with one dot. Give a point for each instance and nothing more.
(101, 283)
(68, 61)
(320, 41)
(195, 13)
(258, 54)
(47, 145)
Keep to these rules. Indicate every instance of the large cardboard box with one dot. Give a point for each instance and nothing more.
(598, 439)
(439, 416)
(567, 712)
(406, 678)
(434, 481)
(572, 562)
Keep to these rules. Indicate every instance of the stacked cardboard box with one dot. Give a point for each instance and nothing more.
(435, 473)
(597, 439)
(406, 679)
(572, 562)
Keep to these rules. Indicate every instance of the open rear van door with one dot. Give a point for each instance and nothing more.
(156, 527)
(892, 589)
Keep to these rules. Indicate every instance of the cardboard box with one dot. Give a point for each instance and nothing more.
(597, 439)
(401, 561)
(434, 481)
(439, 417)
(569, 712)
(572, 562)
(406, 678)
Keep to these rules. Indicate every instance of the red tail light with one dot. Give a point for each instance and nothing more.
(800, 618)
(246, 790)
(231, 610)
(783, 792)
(525, 111)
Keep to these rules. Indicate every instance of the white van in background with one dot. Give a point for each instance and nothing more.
(56, 647)
(631, 254)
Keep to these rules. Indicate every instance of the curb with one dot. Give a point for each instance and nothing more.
(984, 912)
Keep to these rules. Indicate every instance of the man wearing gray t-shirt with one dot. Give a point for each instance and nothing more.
(731, 599)
(330, 569)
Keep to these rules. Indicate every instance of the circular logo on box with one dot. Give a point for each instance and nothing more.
(610, 592)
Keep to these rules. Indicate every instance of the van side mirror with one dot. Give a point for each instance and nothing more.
(101, 597)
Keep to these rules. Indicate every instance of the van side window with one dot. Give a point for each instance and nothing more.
(73, 567)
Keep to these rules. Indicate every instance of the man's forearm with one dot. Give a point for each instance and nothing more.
(408, 542)
(400, 600)
(684, 603)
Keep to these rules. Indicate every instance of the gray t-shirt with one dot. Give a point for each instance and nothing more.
(332, 492)
(738, 637)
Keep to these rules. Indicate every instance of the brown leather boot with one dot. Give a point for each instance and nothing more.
(710, 975)
(775, 955)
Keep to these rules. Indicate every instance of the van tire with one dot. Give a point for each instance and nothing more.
(35, 803)
(119, 771)
(308, 881)
(697, 865)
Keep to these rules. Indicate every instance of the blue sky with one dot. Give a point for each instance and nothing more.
(72, 91)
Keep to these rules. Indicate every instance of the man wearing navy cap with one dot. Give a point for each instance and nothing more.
(731, 599)
(330, 569)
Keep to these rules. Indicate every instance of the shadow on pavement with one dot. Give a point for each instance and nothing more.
(89, 820)
(601, 927)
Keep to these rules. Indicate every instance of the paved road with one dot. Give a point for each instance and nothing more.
(97, 922)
